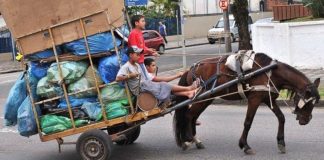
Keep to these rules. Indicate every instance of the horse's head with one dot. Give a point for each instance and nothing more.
(305, 101)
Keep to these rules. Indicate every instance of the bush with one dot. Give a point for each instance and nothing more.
(316, 7)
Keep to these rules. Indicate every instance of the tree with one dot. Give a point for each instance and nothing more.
(241, 15)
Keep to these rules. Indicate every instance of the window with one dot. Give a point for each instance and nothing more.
(146, 35)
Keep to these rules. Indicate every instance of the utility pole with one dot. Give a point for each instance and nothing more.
(228, 44)
(184, 58)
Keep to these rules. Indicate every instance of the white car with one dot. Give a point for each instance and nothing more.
(217, 32)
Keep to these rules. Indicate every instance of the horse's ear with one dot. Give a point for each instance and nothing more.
(317, 82)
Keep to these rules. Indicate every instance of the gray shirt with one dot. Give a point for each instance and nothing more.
(133, 83)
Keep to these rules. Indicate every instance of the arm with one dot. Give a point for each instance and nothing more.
(168, 78)
(126, 77)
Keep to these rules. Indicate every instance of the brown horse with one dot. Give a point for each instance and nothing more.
(304, 94)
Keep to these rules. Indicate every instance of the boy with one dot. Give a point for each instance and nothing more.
(136, 42)
(131, 72)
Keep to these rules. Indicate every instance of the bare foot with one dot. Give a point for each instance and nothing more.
(195, 84)
(192, 93)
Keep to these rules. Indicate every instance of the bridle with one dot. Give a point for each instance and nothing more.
(301, 103)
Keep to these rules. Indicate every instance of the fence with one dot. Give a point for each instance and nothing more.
(170, 24)
(285, 12)
(5, 42)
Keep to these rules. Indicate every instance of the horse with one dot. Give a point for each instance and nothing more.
(302, 91)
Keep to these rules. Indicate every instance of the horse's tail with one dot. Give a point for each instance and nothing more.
(179, 116)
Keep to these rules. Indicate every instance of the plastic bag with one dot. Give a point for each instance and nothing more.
(114, 110)
(26, 120)
(75, 102)
(39, 70)
(112, 93)
(17, 95)
(109, 66)
(82, 84)
(51, 120)
(98, 43)
(53, 123)
(91, 109)
(48, 90)
(89, 76)
(71, 71)
(43, 54)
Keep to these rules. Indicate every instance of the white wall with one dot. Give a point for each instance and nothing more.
(300, 44)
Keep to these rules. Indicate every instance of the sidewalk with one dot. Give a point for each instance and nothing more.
(174, 43)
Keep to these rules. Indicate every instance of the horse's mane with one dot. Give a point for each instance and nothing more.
(266, 60)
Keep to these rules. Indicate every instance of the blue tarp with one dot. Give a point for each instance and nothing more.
(109, 66)
(44, 54)
(98, 43)
(76, 102)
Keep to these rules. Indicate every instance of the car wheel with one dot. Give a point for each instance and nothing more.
(232, 38)
(161, 49)
(211, 42)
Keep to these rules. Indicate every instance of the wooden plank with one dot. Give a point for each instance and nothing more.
(292, 11)
(130, 118)
(275, 13)
(289, 12)
(280, 13)
(297, 12)
(284, 12)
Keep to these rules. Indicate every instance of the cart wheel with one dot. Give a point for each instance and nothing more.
(131, 136)
(94, 144)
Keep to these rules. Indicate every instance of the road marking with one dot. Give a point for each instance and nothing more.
(7, 81)
(8, 130)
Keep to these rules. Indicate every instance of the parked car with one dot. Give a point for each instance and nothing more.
(154, 40)
(217, 32)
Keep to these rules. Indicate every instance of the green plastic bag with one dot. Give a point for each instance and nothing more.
(51, 120)
(80, 122)
(82, 84)
(115, 110)
(48, 90)
(113, 93)
(71, 71)
(54, 129)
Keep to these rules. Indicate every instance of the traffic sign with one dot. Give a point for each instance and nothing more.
(135, 2)
(223, 4)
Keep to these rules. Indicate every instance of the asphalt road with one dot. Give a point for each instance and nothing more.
(220, 131)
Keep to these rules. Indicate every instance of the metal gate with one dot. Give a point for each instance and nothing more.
(5, 42)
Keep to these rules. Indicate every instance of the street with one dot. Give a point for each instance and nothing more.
(220, 131)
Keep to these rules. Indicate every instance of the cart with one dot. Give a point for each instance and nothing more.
(96, 139)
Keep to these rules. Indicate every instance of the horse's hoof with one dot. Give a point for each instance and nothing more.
(249, 151)
(282, 148)
(185, 146)
(200, 145)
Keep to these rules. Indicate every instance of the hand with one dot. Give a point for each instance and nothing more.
(179, 74)
(133, 75)
(155, 54)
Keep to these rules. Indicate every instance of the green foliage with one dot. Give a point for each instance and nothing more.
(316, 7)
(159, 9)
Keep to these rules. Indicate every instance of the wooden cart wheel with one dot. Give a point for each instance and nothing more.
(94, 144)
(131, 136)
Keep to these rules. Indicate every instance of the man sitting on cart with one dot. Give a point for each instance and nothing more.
(132, 73)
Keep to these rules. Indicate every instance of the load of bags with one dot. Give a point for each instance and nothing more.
(78, 76)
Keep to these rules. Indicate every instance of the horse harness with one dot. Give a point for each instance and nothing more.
(239, 74)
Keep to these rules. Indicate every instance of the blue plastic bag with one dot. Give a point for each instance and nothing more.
(17, 95)
(75, 102)
(109, 66)
(92, 109)
(39, 70)
(43, 54)
(98, 43)
(26, 120)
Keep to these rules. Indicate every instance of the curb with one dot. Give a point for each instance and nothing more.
(10, 71)
(191, 45)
